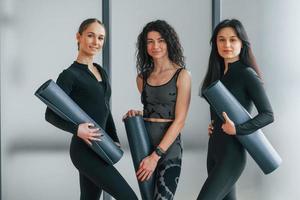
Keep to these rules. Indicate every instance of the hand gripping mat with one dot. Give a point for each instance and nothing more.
(257, 145)
(58, 101)
(140, 147)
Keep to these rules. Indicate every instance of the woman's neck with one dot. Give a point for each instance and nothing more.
(227, 62)
(162, 65)
(83, 59)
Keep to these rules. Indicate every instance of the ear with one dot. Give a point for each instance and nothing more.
(78, 36)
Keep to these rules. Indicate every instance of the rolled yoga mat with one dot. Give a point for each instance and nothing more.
(58, 101)
(140, 147)
(257, 145)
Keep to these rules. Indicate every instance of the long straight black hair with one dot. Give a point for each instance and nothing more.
(216, 62)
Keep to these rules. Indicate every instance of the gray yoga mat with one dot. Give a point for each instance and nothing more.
(257, 145)
(58, 101)
(140, 147)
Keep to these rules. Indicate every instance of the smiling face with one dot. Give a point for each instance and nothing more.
(156, 45)
(91, 40)
(229, 45)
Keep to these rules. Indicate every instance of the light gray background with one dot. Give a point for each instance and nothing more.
(38, 41)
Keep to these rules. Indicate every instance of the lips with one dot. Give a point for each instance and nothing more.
(94, 48)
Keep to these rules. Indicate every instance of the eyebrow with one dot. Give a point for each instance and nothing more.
(155, 39)
(95, 33)
(221, 36)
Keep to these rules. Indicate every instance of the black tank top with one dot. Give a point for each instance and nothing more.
(159, 101)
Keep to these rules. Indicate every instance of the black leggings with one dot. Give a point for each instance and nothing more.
(95, 174)
(167, 176)
(169, 166)
(226, 159)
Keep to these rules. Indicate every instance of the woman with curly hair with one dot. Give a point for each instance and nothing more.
(165, 87)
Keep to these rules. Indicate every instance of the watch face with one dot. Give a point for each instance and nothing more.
(159, 152)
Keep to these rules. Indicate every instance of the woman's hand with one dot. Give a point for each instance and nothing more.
(132, 113)
(228, 126)
(210, 128)
(118, 144)
(87, 133)
(147, 167)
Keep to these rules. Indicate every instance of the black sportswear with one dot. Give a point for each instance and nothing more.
(159, 101)
(91, 95)
(226, 157)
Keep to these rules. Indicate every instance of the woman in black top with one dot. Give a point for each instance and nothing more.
(87, 84)
(231, 61)
(165, 88)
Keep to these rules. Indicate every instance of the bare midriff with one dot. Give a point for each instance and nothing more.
(158, 120)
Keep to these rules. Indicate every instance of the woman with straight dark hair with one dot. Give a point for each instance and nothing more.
(88, 85)
(165, 87)
(232, 62)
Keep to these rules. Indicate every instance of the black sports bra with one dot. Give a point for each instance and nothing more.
(159, 101)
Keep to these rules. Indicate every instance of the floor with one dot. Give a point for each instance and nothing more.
(51, 175)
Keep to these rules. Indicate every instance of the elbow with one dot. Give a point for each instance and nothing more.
(270, 117)
(48, 116)
(180, 124)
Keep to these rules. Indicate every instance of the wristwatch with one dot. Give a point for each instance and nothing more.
(159, 151)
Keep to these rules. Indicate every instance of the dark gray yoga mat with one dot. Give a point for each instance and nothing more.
(257, 145)
(58, 101)
(140, 147)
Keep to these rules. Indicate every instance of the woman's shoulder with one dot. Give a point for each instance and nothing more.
(183, 72)
(70, 72)
(139, 79)
(245, 70)
(249, 75)
(248, 71)
(184, 77)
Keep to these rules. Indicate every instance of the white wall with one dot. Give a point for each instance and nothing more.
(273, 29)
(37, 43)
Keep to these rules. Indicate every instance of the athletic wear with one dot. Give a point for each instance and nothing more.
(96, 175)
(93, 97)
(226, 157)
(169, 165)
(159, 102)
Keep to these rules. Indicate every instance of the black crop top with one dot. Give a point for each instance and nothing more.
(159, 101)
(245, 85)
(91, 95)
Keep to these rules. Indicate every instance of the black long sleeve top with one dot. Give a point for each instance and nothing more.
(91, 95)
(245, 85)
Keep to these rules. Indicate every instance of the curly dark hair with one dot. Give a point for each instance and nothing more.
(144, 62)
(216, 62)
